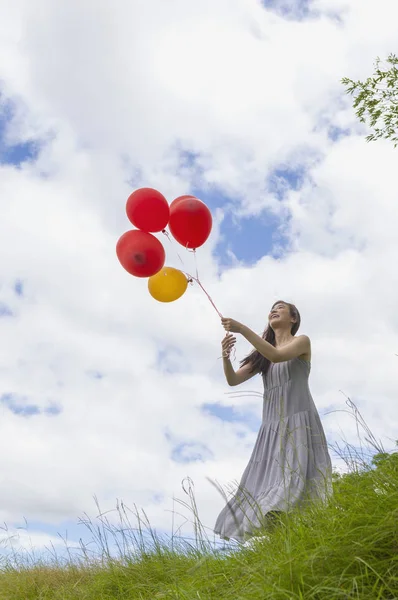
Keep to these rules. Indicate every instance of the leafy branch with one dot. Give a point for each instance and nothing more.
(376, 100)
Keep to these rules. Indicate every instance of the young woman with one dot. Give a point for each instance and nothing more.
(290, 462)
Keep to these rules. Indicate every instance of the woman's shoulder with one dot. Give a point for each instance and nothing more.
(307, 355)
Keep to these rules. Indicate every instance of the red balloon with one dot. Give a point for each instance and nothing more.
(140, 253)
(190, 221)
(182, 198)
(148, 210)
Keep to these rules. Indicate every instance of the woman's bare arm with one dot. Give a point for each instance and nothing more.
(237, 377)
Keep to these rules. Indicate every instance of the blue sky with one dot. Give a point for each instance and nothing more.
(298, 9)
(248, 237)
(13, 154)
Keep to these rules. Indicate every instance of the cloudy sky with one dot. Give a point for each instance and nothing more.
(104, 391)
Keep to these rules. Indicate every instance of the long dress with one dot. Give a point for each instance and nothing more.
(290, 462)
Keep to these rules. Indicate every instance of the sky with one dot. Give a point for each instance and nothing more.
(108, 394)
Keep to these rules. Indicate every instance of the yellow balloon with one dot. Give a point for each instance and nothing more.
(167, 285)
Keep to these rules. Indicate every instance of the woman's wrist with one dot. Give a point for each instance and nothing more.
(243, 330)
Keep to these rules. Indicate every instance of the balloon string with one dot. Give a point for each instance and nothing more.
(208, 295)
(190, 277)
(166, 233)
(196, 263)
(200, 284)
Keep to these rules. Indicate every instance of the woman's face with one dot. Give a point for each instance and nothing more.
(279, 313)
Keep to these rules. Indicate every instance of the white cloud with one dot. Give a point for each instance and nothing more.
(248, 91)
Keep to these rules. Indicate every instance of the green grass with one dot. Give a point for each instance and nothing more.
(345, 549)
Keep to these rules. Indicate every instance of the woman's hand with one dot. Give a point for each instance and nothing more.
(227, 344)
(231, 325)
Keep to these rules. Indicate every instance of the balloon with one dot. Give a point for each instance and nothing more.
(167, 285)
(180, 198)
(190, 221)
(140, 253)
(148, 210)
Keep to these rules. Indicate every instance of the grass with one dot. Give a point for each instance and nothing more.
(347, 548)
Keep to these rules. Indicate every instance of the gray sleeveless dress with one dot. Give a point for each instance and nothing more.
(290, 462)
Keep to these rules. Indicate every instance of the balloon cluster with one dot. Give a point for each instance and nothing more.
(143, 255)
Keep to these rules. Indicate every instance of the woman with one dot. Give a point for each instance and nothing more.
(290, 461)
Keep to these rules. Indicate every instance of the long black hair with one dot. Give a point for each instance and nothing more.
(258, 362)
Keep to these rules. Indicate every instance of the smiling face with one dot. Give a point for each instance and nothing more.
(280, 316)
